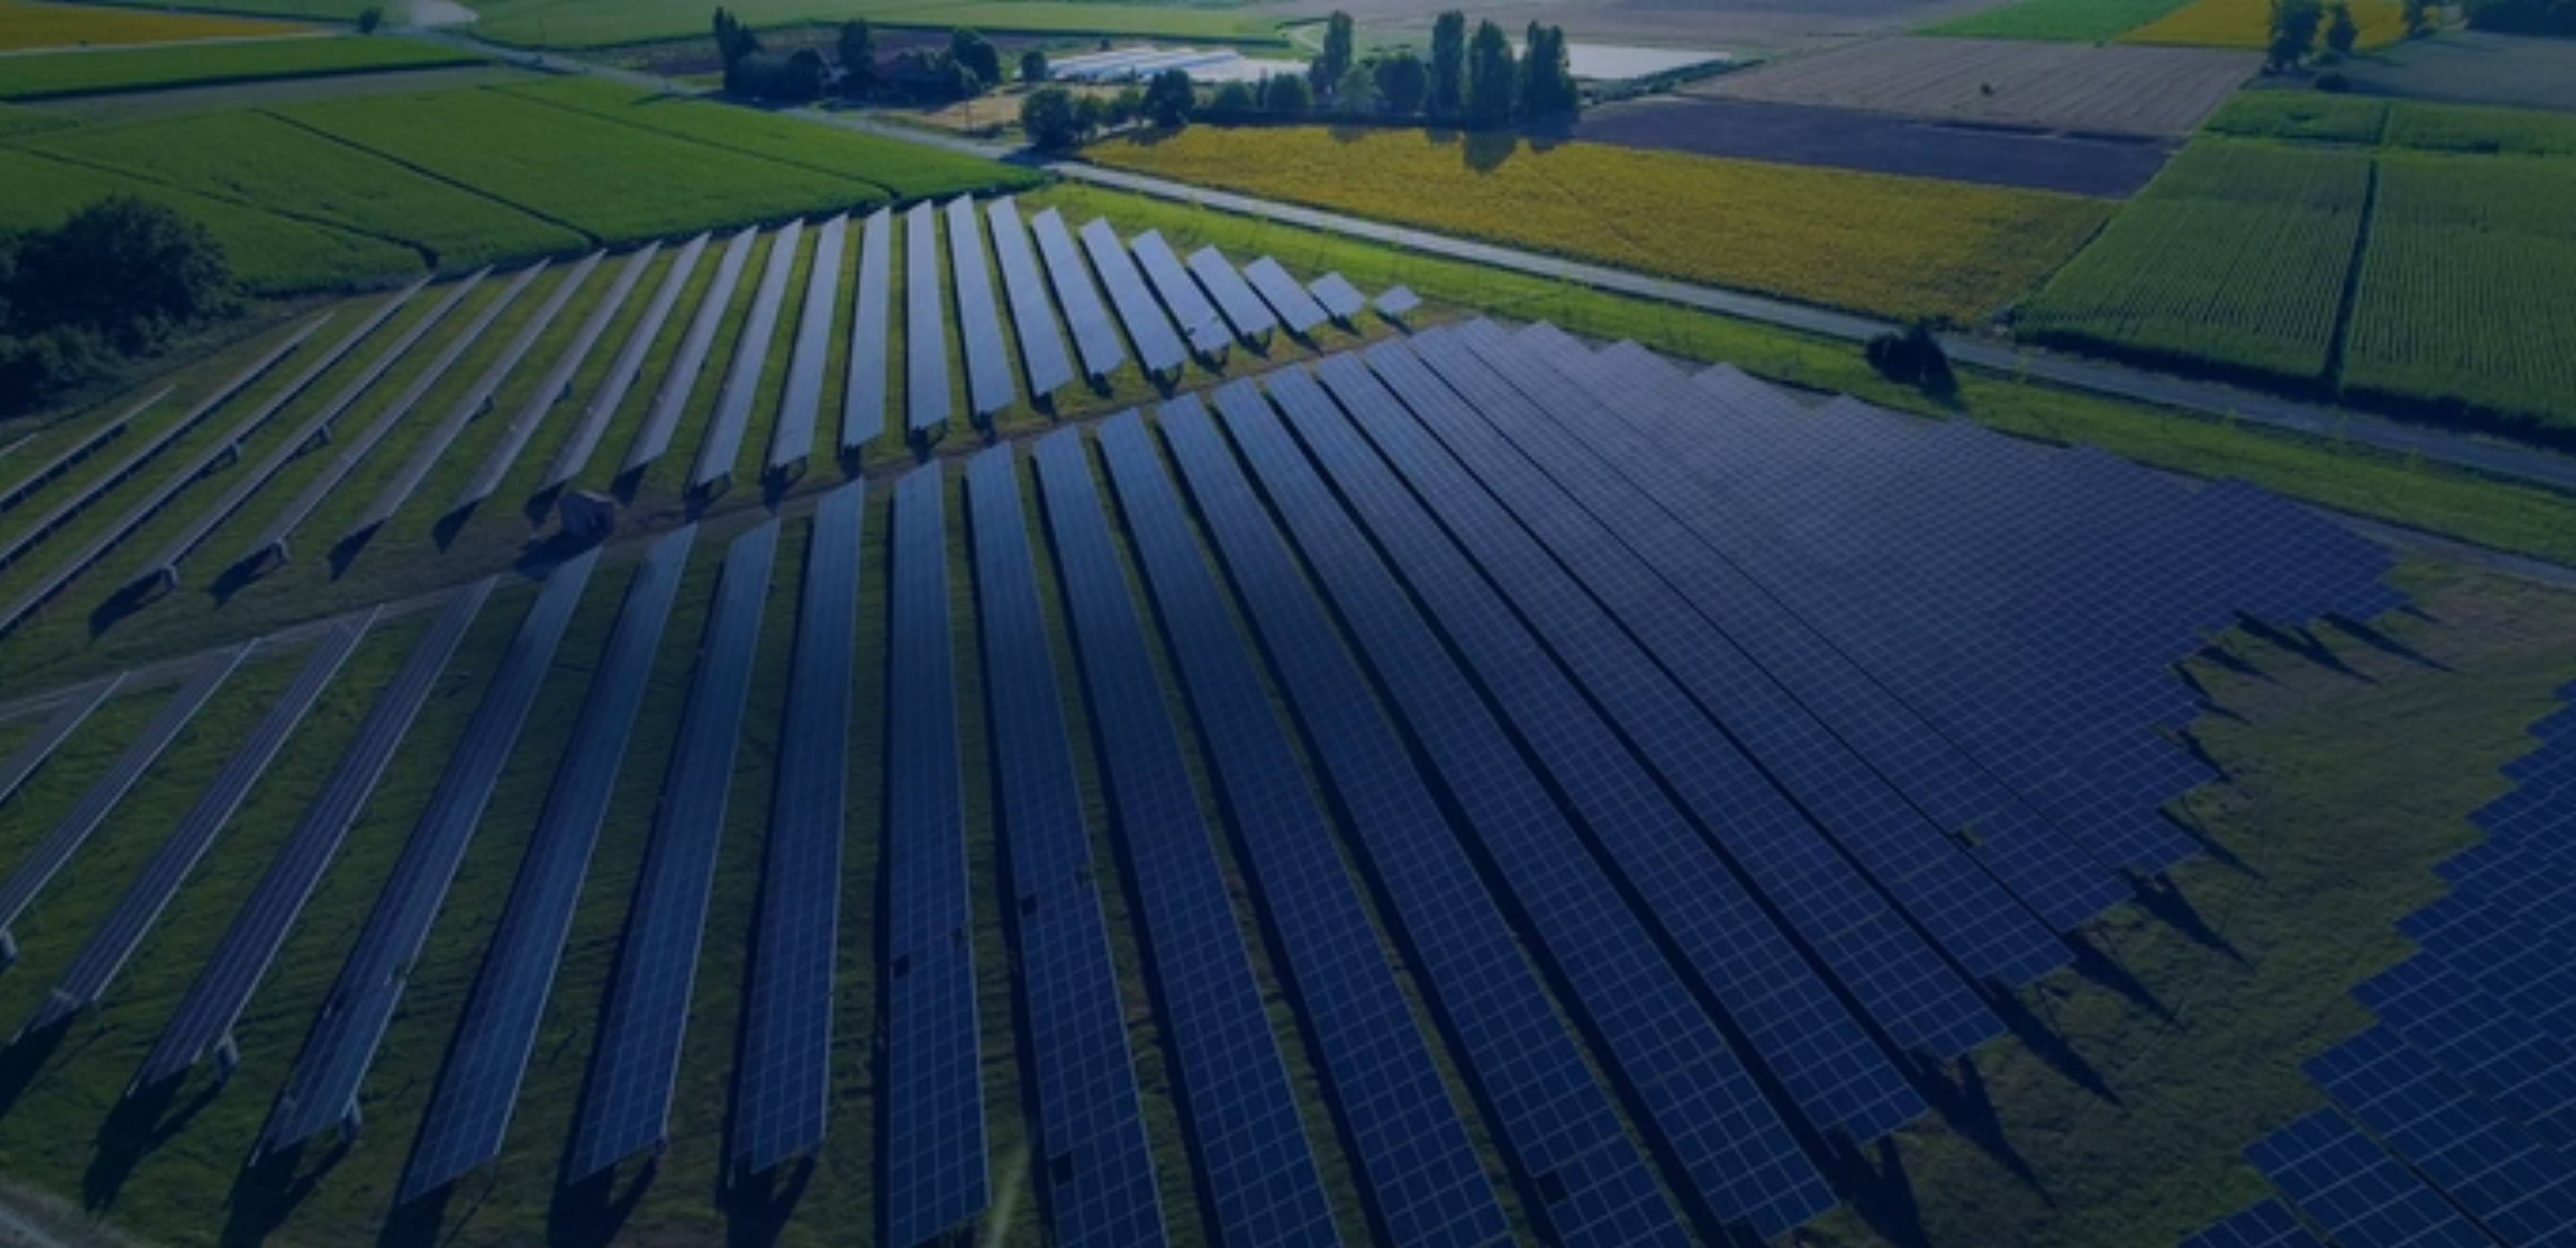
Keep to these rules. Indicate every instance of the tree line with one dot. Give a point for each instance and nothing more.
(115, 281)
(967, 67)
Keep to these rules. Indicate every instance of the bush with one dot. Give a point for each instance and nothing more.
(369, 19)
(1234, 99)
(1287, 94)
(2333, 82)
(1913, 358)
(1033, 67)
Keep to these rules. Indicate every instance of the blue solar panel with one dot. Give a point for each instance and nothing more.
(671, 400)
(1032, 313)
(1093, 336)
(1094, 1152)
(324, 1088)
(1156, 345)
(1254, 1159)
(2526, 1073)
(25, 539)
(925, 326)
(934, 1092)
(1338, 297)
(624, 370)
(863, 401)
(28, 879)
(220, 991)
(2487, 1165)
(470, 1112)
(557, 384)
(800, 405)
(626, 1106)
(1297, 309)
(1406, 1135)
(2359, 1194)
(97, 435)
(2265, 1225)
(71, 709)
(125, 927)
(979, 323)
(1190, 309)
(1251, 318)
(1737, 1157)
(722, 443)
(783, 1077)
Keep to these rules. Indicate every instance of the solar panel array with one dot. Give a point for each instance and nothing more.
(1251, 319)
(2357, 1192)
(1032, 312)
(1189, 306)
(1091, 1127)
(671, 400)
(783, 1078)
(623, 371)
(722, 444)
(863, 399)
(470, 1111)
(323, 1090)
(71, 708)
(1338, 297)
(925, 326)
(2263, 1225)
(979, 323)
(800, 406)
(626, 1105)
(1297, 310)
(1157, 346)
(556, 386)
(26, 538)
(1094, 338)
(101, 434)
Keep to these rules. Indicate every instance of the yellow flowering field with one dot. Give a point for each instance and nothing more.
(2248, 24)
(1889, 246)
(25, 25)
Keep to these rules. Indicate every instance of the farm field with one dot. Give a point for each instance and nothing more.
(2247, 24)
(2471, 67)
(2049, 86)
(1818, 235)
(141, 69)
(604, 23)
(33, 24)
(2069, 21)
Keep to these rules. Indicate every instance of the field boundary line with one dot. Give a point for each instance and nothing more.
(429, 259)
(892, 198)
(433, 175)
(2351, 296)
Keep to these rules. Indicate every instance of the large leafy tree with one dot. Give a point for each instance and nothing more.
(1169, 98)
(2294, 31)
(857, 46)
(977, 54)
(1448, 77)
(1332, 64)
(1049, 118)
(1403, 82)
(734, 40)
(1492, 78)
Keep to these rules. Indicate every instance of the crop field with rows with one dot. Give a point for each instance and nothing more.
(2248, 24)
(2303, 117)
(24, 26)
(2056, 21)
(2236, 255)
(272, 254)
(38, 77)
(1892, 246)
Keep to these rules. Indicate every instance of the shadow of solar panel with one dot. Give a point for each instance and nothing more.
(70, 711)
(2486, 1165)
(934, 1094)
(99, 435)
(1411, 1147)
(1156, 345)
(1338, 297)
(1093, 1134)
(323, 1090)
(26, 538)
(470, 1112)
(1032, 313)
(2359, 1194)
(1738, 1159)
(241, 959)
(125, 926)
(1243, 1124)
(1094, 338)
(680, 380)
(37, 869)
(557, 384)
(1251, 318)
(863, 401)
(2265, 1225)
(722, 445)
(1190, 308)
(626, 1105)
(979, 323)
(1297, 310)
(925, 325)
(783, 1073)
(800, 405)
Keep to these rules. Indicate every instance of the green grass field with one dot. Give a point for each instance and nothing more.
(602, 23)
(2058, 21)
(144, 69)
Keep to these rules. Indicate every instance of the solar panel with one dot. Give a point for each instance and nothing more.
(1156, 345)
(925, 326)
(557, 384)
(1297, 310)
(1411, 1148)
(722, 444)
(219, 992)
(625, 370)
(323, 1090)
(163, 568)
(125, 927)
(1549, 1110)
(100, 434)
(2522, 1070)
(1254, 1160)
(2359, 1194)
(2264, 1225)
(979, 323)
(1092, 1132)
(42, 863)
(26, 538)
(476, 400)
(626, 1106)
(1738, 1157)
(1397, 302)
(71, 708)
(863, 400)
(1338, 297)
(1189, 306)
(934, 1092)
(1093, 336)
(1251, 318)
(470, 1111)
(680, 380)
(783, 1073)
(2488, 1166)
(269, 548)
(1032, 313)
(791, 439)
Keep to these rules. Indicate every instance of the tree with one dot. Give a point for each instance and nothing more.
(1403, 82)
(1169, 99)
(734, 40)
(370, 18)
(1913, 358)
(125, 269)
(2294, 32)
(1547, 81)
(977, 54)
(1491, 77)
(1334, 63)
(1235, 99)
(2341, 31)
(2419, 18)
(1448, 69)
(1047, 116)
(857, 47)
(1033, 66)
(1356, 94)
(1126, 106)
(1287, 95)
(1088, 115)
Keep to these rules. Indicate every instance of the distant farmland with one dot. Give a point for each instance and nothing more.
(2047, 86)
